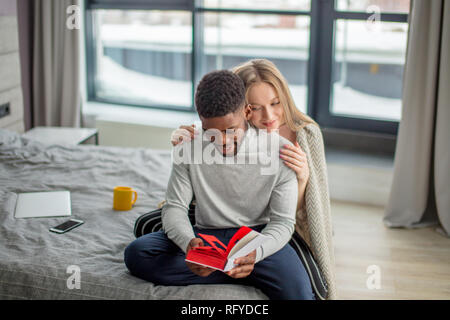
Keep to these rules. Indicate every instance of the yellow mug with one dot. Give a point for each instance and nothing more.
(123, 198)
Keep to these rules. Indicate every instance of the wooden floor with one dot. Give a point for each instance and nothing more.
(413, 263)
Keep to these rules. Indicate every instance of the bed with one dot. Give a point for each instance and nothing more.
(38, 264)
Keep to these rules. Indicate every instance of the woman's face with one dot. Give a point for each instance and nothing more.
(266, 111)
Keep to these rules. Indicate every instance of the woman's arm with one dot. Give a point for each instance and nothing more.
(295, 158)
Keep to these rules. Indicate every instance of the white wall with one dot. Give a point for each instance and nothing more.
(10, 81)
(134, 127)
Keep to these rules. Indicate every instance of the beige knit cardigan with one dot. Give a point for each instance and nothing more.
(313, 220)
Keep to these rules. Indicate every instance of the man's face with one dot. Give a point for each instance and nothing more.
(226, 132)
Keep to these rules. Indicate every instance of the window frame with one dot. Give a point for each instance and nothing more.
(323, 16)
(91, 48)
(323, 22)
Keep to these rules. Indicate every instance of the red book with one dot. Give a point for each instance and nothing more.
(244, 241)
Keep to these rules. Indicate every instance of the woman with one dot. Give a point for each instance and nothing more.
(270, 106)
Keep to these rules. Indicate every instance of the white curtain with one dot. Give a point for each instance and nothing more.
(420, 194)
(56, 92)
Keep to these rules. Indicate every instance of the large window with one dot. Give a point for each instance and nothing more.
(143, 57)
(343, 59)
(230, 39)
(367, 69)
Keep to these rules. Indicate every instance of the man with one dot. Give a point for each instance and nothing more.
(228, 196)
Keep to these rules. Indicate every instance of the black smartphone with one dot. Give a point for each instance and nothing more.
(66, 226)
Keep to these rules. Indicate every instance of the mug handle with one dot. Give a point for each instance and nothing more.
(135, 198)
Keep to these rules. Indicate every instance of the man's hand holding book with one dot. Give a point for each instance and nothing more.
(237, 259)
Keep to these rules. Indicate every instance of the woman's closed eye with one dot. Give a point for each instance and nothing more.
(258, 108)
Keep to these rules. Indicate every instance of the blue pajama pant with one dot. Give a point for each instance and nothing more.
(156, 258)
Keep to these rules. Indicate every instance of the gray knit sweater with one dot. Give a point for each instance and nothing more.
(233, 195)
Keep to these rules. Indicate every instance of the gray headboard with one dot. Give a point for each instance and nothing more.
(10, 80)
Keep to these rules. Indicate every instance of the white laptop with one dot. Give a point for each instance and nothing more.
(43, 204)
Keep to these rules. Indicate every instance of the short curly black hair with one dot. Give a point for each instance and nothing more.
(219, 93)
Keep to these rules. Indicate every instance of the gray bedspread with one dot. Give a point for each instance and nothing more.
(34, 262)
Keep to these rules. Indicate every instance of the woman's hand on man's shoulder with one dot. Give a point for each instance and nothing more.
(183, 133)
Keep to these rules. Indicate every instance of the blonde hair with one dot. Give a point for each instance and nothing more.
(263, 70)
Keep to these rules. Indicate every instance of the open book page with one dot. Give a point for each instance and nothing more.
(244, 241)
(244, 246)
